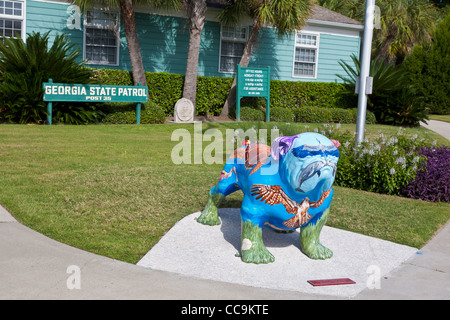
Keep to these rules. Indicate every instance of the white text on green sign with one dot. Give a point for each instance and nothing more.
(94, 93)
(254, 82)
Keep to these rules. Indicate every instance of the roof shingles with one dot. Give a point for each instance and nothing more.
(318, 13)
(324, 14)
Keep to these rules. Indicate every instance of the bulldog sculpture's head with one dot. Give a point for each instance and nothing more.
(307, 163)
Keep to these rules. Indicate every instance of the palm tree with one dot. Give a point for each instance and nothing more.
(285, 16)
(129, 23)
(196, 10)
(403, 24)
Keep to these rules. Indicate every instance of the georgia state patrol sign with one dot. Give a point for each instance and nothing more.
(65, 92)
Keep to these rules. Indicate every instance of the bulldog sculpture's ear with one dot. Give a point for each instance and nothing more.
(336, 143)
(281, 146)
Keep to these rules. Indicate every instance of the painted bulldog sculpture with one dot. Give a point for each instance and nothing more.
(285, 187)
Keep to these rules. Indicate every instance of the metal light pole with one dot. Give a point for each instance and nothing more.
(365, 86)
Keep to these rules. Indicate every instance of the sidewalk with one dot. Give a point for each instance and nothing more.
(36, 267)
(33, 266)
(441, 127)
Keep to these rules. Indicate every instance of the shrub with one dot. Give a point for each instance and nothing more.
(150, 114)
(250, 114)
(313, 115)
(429, 67)
(370, 116)
(297, 94)
(343, 116)
(165, 89)
(389, 165)
(211, 94)
(402, 108)
(327, 115)
(24, 66)
(282, 115)
(76, 113)
(396, 165)
(125, 117)
(21, 97)
(393, 100)
(113, 77)
(386, 77)
(385, 165)
(432, 182)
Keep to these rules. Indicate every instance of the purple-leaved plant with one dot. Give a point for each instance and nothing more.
(432, 182)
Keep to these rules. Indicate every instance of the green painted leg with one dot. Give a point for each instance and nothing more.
(253, 249)
(209, 215)
(309, 239)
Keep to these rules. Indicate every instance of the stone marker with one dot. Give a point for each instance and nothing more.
(184, 110)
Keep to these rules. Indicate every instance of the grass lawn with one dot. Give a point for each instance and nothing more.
(113, 190)
(445, 118)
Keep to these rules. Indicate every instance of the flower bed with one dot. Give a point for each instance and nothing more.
(384, 165)
(395, 165)
(432, 182)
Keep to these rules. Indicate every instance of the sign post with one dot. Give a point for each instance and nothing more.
(64, 92)
(138, 110)
(252, 82)
(364, 76)
(49, 106)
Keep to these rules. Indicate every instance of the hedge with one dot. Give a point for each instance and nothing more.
(325, 115)
(296, 94)
(282, 115)
(151, 113)
(166, 88)
(306, 115)
(250, 114)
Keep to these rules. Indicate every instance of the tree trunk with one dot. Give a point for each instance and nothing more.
(196, 10)
(129, 23)
(190, 79)
(245, 59)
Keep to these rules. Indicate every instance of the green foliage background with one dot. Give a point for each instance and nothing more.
(429, 69)
(165, 89)
(25, 65)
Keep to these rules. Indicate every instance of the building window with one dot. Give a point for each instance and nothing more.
(12, 18)
(306, 55)
(101, 38)
(232, 43)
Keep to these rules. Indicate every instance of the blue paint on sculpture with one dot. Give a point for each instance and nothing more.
(285, 187)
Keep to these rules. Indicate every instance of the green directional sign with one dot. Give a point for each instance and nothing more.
(253, 82)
